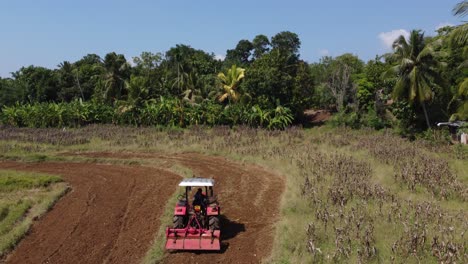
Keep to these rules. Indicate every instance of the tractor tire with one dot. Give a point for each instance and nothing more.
(213, 222)
(178, 221)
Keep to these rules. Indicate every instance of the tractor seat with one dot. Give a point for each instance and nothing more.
(212, 200)
(182, 202)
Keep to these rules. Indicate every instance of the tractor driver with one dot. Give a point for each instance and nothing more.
(200, 199)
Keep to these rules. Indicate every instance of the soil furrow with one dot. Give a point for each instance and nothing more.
(98, 230)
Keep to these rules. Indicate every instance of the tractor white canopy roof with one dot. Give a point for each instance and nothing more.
(198, 182)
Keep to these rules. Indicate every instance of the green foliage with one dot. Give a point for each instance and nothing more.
(168, 112)
(372, 119)
(337, 75)
(355, 120)
(11, 213)
(345, 119)
(436, 137)
(37, 83)
(71, 114)
(275, 79)
(241, 54)
(261, 45)
(430, 71)
(365, 92)
(405, 124)
(322, 97)
(282, 118)
(115, 70)
(11, 91)
(12, 181)
(416, 69)
(287, 43)
(460, 102)
(23, 197)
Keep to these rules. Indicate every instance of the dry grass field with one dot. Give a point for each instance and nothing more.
(349, 195)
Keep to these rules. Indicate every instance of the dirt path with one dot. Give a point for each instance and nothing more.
(112, 214)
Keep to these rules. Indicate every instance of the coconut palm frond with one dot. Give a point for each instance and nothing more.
(461, 9)
(230, 83)
(459, 35)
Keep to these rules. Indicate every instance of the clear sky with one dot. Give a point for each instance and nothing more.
(47, 32)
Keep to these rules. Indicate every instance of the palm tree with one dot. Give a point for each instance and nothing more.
(115, 69)
(230, 83)
(416, 70)
(460, 34)
(198, 88)
(459, 102)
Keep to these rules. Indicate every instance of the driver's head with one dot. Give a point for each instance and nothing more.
(199, 190)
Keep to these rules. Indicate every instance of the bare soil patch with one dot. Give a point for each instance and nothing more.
(110, 216)
(317, 116)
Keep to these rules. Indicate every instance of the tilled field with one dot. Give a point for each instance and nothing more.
(112, 213)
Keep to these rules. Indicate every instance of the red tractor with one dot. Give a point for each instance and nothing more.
(196, 225)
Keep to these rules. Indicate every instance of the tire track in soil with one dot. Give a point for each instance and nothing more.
(103, 217)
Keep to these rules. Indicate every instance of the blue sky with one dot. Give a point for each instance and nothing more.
(45, 33)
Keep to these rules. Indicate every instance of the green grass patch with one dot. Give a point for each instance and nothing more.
(12, 180)
(11, 213)
(24, 196)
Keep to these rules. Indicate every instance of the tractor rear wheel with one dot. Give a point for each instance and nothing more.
(214, 222)
(178, 221)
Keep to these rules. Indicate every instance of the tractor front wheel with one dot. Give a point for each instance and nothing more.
(178, 221)
(214, 222)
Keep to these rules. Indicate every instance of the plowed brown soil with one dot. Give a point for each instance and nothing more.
(115, 216)
(110, 216)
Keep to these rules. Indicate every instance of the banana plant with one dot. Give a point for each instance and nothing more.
(282, 118)
(258, 117)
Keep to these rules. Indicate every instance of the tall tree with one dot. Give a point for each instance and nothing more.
(459, 38)
(116, 72)
(11, 91)
(148, 67)
(39, 82)
(339, 76)
(241, 54)
(277, 79)
(183, 61)
(416, 70)
(88, 72)
(288, 43)
(261, 45)
(68, 82)
(340, 84)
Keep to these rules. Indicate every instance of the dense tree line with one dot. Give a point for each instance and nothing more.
(190, 79)
(261, 82)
